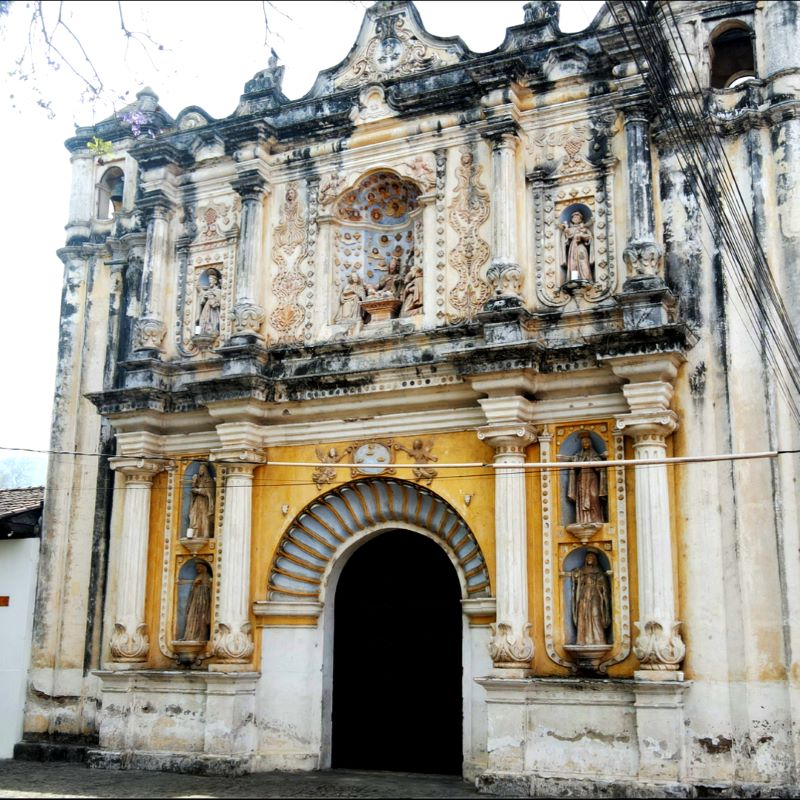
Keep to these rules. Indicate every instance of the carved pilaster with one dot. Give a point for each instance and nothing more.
(643, 256)
(504, 273)
(248, 314)
(150, 329)
(130, 640)
(511, 646)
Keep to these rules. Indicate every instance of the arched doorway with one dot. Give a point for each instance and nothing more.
(397, 674)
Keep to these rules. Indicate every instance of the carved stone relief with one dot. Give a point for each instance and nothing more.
(290, 250)
(207, 258)
(420, 451)
(377, 251)
(572, 201)
(468, 212)
(394, 50)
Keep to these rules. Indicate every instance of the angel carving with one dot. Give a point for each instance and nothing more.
(421, 453)
(326, 474)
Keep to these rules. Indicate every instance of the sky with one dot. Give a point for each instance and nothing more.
(199, 53)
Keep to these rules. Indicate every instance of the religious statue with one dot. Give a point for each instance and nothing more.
(578, 247)
(412, 292)
(201, 505)
(587, 485)
(389, 284)
(350, 298)
(198, 609)
(209, 304)
(421, 453)
(591, 602)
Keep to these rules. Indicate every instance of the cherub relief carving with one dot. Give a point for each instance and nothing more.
(326, 474)
(421, 453)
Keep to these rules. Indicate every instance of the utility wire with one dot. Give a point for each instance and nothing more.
(693, 137)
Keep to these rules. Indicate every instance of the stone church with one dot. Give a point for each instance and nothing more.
(414, 402)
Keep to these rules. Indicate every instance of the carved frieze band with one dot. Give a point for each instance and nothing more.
(441, 235)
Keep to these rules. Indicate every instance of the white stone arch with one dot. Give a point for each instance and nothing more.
(295, 701)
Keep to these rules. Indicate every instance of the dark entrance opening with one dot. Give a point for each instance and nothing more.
(397, 658)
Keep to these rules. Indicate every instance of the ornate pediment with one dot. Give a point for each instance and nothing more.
(392, 43)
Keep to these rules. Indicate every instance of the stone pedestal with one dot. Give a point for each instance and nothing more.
(196, 722)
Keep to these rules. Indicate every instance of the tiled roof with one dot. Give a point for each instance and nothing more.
(18, 501)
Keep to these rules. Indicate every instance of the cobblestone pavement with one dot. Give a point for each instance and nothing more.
(36, 779)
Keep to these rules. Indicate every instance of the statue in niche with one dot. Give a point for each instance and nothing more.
(412, 292)
(210, 301)
(587, 485)
(198, 609)
(591, 602)
(350, 298)
(201, 504)
(577, 250)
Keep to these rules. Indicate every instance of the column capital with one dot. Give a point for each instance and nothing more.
(647, 424)
(250, 184)
(503, 135)
(140, 470)
(508, 439)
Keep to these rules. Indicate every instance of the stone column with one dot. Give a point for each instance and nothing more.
(659, 645)
(130, 641)
(643, 257)
(511, 646)
(248, 314)
(504, 273)
(150, 328)
(233, 635)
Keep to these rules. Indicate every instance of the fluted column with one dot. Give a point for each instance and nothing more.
(150, 327)
(248, 314)
(233, 635)
(643, 256)
(659, 645)
(504, 273)
(130, 641)
(511, 646)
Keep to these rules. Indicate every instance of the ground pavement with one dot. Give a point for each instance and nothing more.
(52, 779)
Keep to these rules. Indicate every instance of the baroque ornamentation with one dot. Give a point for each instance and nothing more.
(130, 645)
(248, 318)
(656, 649)
(217, 220)
(421, 453)
(233, 645)
(290, 249)
(508, 649)
(393, 51)
(468, 212)
(441, 233)
(644, 260)
(327, 474)
(149, 333)
(506, 280)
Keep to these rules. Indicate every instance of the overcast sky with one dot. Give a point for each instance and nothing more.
(210, 50)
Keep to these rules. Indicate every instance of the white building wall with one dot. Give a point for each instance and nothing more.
(18, 562)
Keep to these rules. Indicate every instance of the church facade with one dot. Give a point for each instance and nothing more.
(403, 395)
